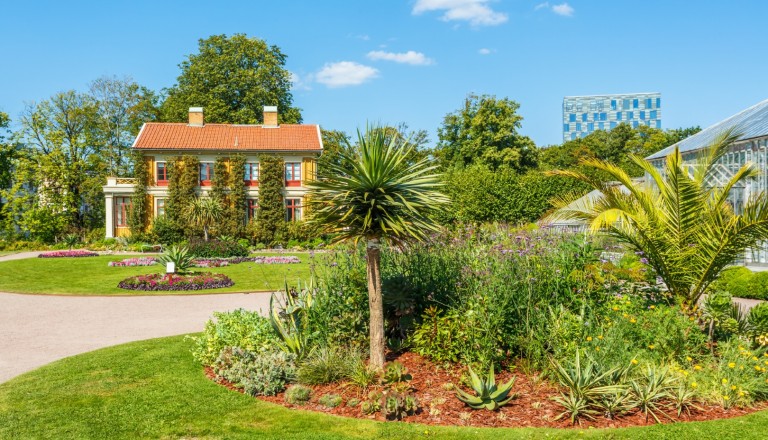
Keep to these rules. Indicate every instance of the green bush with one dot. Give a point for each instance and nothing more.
(259, 374)
(442, 338)
(217, 249)
(743, 283)
(330, 400)
(166, 232)
(298, 394)
(239, 328)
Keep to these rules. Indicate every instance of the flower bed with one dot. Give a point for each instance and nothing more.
(195, 281)
(133, 262)
(68, 254)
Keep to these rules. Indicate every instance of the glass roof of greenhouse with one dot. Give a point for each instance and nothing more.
(749, 123)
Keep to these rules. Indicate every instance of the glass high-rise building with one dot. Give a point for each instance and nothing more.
(584, 114)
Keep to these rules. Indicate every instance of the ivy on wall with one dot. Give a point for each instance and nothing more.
(237, 193)
(137, 218)
(183, 178)
(271, 214)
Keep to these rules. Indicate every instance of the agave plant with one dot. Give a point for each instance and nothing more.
(488, 395)
(71, 240)
(179, 256)
(650, 391)
(289, 318)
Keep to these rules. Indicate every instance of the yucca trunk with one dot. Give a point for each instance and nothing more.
(375, 302)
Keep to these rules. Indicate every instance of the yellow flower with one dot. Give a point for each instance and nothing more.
(757, 367)
(741, 367)
(615, 308)
(634, 362)
(694, 384)
(725, 381)
(633, 320)
(732, 365)
(691, 318)
(733, 387)
(653, 307)
(600, 337)
(741, 393)
(754, 358)
(597, 348)
(688, 358)
(697, 367)
(726, 398)
(651, 347)
(765, 354)
(589, 338)
(626, 315)
(685, 373)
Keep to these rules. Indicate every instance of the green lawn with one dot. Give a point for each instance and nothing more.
(92, 276)
(154, 389)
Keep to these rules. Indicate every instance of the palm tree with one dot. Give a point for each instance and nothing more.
(681, 220)
(204, 211)
(373, 193)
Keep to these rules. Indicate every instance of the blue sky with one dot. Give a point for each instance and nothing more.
(412, 61)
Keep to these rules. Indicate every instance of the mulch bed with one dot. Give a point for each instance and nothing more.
(533, 406)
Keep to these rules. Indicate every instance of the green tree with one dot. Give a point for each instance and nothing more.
(686, 229)
(9, 151)
(232, 78)
(122, 106)
(485, 131)
(375, 195)
(137, 219)
(183, 179)
(205, 212)
(271, 212)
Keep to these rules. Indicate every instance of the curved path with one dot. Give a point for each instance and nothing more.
(38, 329)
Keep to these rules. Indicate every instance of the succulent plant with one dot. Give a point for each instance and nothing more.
(488, 395)
(395, 372)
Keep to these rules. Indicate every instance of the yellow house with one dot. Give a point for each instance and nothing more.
(298, 144)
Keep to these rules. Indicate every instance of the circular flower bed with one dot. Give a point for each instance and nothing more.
(194, 281)
(67, 254)
(132, 262)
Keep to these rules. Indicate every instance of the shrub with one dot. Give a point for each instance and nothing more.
(758, 323)
(742, 282)
(216, 249)
(330, 400)
(157, 282)
(238, 328)
(363, 375)
(442, 338)
(328, 365)
(265, 373)
(166, 232)
(298, 394)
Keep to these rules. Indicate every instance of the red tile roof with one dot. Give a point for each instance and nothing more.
(181, 136)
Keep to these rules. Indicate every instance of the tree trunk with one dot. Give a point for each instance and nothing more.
(205, 232)
(375, 303)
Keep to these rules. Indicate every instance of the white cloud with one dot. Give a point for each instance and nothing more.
(410, 57)
(345, 73)
(476, 12)
(563, 9)
(486, 51)
(541, 5)
(300, 83)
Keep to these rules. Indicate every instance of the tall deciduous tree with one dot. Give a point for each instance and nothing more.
(122, 106)
(232, 78)
(485, 130)
(687, 229)
(374, 194)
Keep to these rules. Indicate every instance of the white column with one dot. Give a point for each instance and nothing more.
(110, 215)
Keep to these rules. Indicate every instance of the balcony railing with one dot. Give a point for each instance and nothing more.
(121, 181)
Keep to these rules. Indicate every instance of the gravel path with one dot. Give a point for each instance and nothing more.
(39, 329)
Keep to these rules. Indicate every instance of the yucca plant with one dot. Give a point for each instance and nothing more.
(205, 212)
(684, 399)
(575, 407)
(614, 404)
(681, 220)
(375, 193)
(71, 240)
(487, 394)
(585, 380)
(179, 256)
(649, 392)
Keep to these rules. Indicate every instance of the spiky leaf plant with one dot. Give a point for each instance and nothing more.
(487, 394)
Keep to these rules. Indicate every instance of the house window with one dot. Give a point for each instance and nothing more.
(160, 207)
(630, 115)
(292, 174)
(635, 103)
(618, 116)
(572, 117)
(583, 117)
(642, 115)
(565, 127)
(292, 210)
(251, 174)
(648, 103)
(206, 173)
(122, 210)
(578, 126)
(590, 127)
(253, 208)
(161, 171)
(613, 104)
(653, 114)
